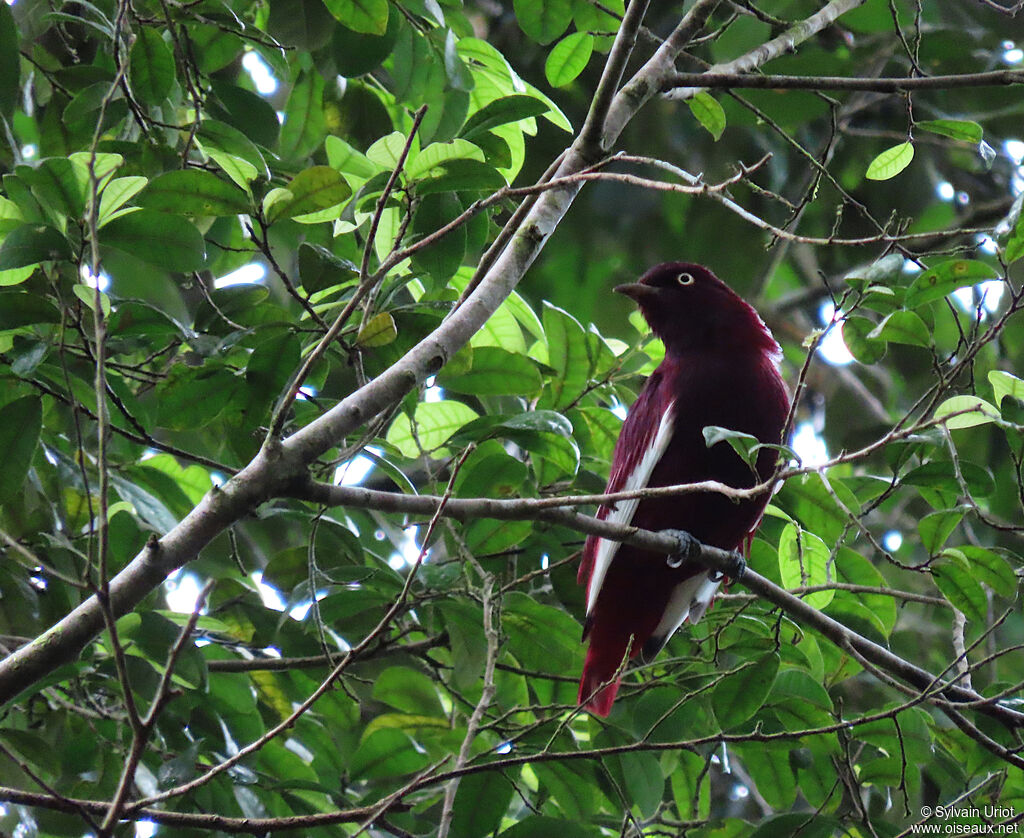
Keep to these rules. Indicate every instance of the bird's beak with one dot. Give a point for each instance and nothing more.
(637, 291)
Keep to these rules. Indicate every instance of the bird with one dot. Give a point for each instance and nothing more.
(721, 367)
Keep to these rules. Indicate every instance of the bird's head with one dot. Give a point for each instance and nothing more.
(688, 307)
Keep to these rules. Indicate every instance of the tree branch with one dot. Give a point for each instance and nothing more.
(717, 559)
(728, 81)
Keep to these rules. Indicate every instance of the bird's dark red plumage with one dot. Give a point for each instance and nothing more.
(720, 368)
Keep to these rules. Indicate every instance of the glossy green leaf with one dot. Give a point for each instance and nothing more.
(31, 244)
(21, 308)
(480, 804)
(313, 189)
(1014, 249)
(357, 52)
(432, 424)
(954, 579)
(708, 112)
(1004, 384)
(965, 412)
(567, 355)
(20, 427)
(990, 567)
(804, 561)
(936, 527)
(436, 154)
(507, 109)
(442, 257)
(956, 129)
(304, 125)
(738, 696)
(568, 58)
(890, 162)
(387, 752)
(408, 690)
(937, 282)
(368, 16)
(168, 241)
(193, 192)
(865, 349)
(151, 70)
(347, 159)
(541, 826)
(902, 327)
(232, 142)
(543, 20)
(494, 372)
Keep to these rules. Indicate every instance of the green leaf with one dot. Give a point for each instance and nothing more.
(117, 193)
(902, 327)
(937, 282)
(436, 154)
(567, 355)
(31, 244)
(21, 308)
(958, 585)
(738, 696)
(644, 784)
(379, 331)
(743, 444)
(152, 67)
(936, 528)
(304, 125)
(230, 141)
(157, 238)
(434, 423)
(387, 752)
(991, 568)
(804, 824)
(408, 690)
(890, 162)
(87, 295)
(314, 189)
(502, 111)
(480, 804)
(20, 425)
(356, 53)
(568, 58)
(804, 561)
(10, 63)
(494, 372)
(461, 176)
(956, 129)
(966, 412)
(369, 16)
(865, 349)
(442, 257)
(1003, 385)
(345, 158)
(541, 826)
(708, 112)
(1014, 249)
(194, 192)
(543, 20)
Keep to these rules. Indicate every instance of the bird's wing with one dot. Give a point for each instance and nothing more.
(636, 454)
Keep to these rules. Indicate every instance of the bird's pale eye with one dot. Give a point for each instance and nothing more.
(685, 279)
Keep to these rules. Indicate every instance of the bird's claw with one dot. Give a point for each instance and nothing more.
(737, 567)
(689, 548)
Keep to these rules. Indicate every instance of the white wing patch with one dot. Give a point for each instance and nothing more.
(622, 512)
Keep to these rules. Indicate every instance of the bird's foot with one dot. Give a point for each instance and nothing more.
(689, 548)
(737, 567)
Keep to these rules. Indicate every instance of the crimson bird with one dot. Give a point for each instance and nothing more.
(720, 368)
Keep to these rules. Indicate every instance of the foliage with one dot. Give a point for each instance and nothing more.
(364, 668)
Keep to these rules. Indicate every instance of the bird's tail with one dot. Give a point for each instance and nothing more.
(602, 673)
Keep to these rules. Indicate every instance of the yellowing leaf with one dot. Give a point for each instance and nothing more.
(891, 162)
